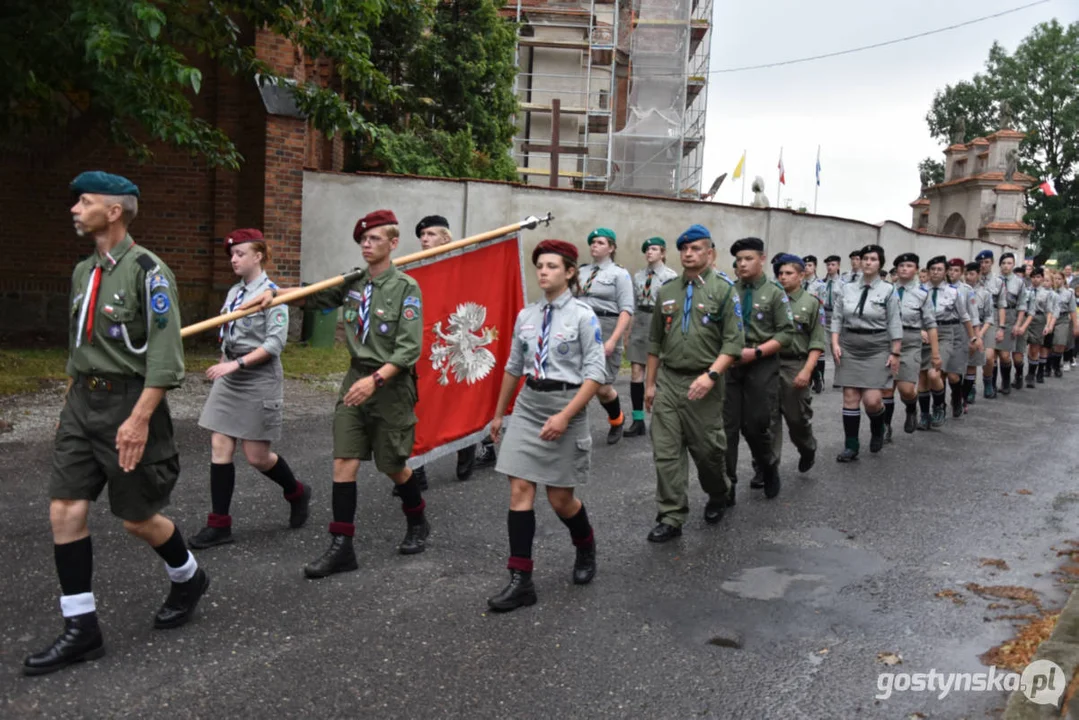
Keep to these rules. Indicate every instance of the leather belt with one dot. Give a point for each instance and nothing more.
(912, 329)
(646, 308)
(604, 313)
(948, 322)
(109, 383)
(550, 385)
(685, 373)
(859, 331)
(793, 357)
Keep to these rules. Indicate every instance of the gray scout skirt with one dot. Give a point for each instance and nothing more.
(960, 351)
(247, 405)
(1035, 331)
(910, 364)
(566, 462)
(863, 364)
(614, 360)
(946, 343)
(1008, 343)
(638, 341)
(1062, 333)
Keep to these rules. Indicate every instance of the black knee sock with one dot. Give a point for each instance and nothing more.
(923, 401)
(222, 483)
(1018, 371)
(613, 408)
(996, 373)
(1069, 355)
(938, 398)
(411, 500)
(173, 551)
(876, 422)
(957, 393)
(522, 528)
(74, 565)
(344, 502)
(968, 383)
(911, 406)
(889, 410)
(281, 474)
(580, 530)
(852, 420)
(636, 396)
(1005, 373)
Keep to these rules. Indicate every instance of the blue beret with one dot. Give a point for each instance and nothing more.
(785, 258)
(983, 255)
(98, 182)
(694, 232)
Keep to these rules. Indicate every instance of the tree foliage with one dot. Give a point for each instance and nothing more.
(1039, 82)
(419, 85)
(131, 66)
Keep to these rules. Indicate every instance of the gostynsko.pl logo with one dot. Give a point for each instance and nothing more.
(1042, 682)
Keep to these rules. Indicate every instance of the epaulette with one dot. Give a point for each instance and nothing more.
(669, 280)
(725, 276)
(146, 262)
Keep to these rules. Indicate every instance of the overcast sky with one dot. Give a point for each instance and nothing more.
(866, 110)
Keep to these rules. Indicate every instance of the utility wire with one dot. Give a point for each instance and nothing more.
(796, 61)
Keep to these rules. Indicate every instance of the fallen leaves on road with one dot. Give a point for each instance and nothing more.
(1024, 491)
(1017, 653)
(1006, 592)
(995, 562)
(889, 658)
(951, 595)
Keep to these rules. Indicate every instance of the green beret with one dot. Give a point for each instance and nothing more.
(97, 182)
(657, 241)
(604, 233)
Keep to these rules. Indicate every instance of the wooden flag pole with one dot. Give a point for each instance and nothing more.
(529, 223)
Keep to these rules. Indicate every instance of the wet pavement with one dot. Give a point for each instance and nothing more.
(779, 611)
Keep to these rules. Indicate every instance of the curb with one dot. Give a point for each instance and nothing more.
(1062, 647)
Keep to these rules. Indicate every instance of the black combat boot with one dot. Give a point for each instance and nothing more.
(339, 557)
(584, 567)
(635, 429)
(520, 592)
(299, 508)
(771, 480)
(415, 538)
(466, 461)
(81, 640)
(183, 598)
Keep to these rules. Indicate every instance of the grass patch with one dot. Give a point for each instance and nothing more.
(24, 371)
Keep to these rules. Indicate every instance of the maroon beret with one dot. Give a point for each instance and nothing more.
(957, 262)
(558, 247)
(241, 236)
(372, 220)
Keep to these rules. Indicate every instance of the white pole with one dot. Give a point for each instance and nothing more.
(779, 178)
(816, 190)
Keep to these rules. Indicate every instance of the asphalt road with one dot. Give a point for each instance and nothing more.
(842, 566)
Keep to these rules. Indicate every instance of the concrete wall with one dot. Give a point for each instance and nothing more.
(334, 201)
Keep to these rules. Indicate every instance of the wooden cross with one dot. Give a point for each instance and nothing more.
(554, 148)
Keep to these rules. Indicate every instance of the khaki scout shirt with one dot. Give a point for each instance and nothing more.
(714, 325)
(660, 274)
(808, 315)
(766, 313)
(607, 287)
(266, 329)
(914, 306)
(575, 342)
(395, 332)
(879, 312)
(136, 321)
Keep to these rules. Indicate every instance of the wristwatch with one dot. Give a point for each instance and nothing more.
(713, 375)
(379, 382)
(757, 353)
(240, 362)
(273, 292)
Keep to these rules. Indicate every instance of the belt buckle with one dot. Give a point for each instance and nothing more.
(97, 383)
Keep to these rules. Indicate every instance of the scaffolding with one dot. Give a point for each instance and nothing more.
(660, 151)
(570, 51)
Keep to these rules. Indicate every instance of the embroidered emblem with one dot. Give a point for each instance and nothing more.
(279, 317)
(412, 301)
(563, 348)
(460, 349)
(114, 331)
(350, 315)
(159, 303)
(409, 314)
(157, 281)
(355, 295)
(383, 328)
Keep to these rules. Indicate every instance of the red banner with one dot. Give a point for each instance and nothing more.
(471, 298)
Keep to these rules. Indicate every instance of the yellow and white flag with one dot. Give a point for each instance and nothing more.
(739, 167)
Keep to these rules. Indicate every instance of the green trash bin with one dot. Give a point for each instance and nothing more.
(319, 327)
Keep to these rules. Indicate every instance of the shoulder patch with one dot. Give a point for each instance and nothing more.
(158, 281)
(159, 303)
(670, 279)
(412, 301)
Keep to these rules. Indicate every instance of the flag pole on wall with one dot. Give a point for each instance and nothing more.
(816, 190)
(782, 179)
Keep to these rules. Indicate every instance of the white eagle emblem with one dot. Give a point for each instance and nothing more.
(461, 347)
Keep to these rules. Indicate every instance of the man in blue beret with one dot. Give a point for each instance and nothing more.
(753, 383)
(696, 334)
(115, 432)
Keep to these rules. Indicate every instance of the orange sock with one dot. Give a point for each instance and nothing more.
(618, 421)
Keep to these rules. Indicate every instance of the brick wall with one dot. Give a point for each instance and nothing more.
(185, 207)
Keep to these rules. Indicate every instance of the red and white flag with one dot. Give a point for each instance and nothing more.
(782, 172)
(471, 298)
(1048, 188)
